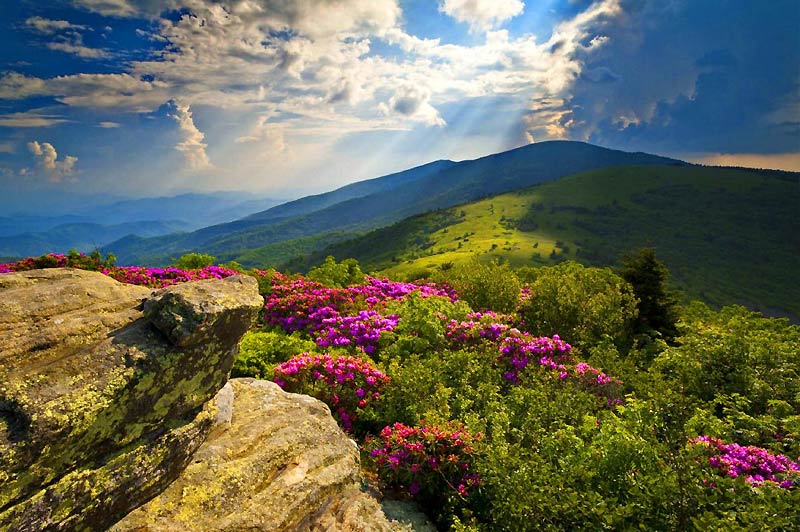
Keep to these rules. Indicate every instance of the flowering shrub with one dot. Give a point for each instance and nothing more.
(303, 305)
(161, 277)
(478, 327)
(427, 460)
(517, 350)
(152, 277)
(73, 259)
(755, 464)
(346, 384)
(363, 330)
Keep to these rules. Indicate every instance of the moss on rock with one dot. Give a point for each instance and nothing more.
(87, 382)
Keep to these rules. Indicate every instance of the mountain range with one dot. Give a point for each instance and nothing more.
(313, 222)
(94, 225)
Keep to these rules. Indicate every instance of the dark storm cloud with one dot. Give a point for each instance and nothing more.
(694, 76)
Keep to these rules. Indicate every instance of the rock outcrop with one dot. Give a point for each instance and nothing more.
(103, 387)
(275, 462)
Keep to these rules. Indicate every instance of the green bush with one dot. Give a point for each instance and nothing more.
(337, 275)
(194, 261)
(484, 286)
(421, 328)
(582, 305)
(260, 352)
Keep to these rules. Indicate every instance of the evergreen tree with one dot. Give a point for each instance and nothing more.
(649, 278)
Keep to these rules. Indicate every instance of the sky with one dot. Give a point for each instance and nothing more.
(138, 98)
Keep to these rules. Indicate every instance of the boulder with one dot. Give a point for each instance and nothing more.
(277, 462)
(103, 387)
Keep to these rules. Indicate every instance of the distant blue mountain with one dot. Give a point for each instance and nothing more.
(97, 225)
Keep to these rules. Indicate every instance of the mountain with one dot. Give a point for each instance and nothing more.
(97, 225)
(81, 236)
(368, 205)
(194, 210)
(727, 235)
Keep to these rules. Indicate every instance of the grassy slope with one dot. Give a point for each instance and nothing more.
(393, 198)
(727, 235)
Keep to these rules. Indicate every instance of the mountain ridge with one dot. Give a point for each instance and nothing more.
(442, 184)
(701, 220)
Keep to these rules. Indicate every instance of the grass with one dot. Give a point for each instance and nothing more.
(727, 235)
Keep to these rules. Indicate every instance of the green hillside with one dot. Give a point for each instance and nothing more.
(727, 235)
(368, 205)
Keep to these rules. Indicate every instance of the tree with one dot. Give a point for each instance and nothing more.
(194, 261)
(337, 275)
(582, 305)
(649, 278)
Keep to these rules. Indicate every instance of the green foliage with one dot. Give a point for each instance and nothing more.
(94, 261)
(233, 265)
(484, 286)
(337, 275)
(260, 352)
(420, 329)
(649, 279)
(744, 369)
(706, 223)
(552, 456)
(582, 305)
(193, 261)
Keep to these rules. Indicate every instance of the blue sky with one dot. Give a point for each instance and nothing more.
(288, 97)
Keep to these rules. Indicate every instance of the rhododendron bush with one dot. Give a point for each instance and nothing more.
(348, 384)
(533, 407)
(152, 277)
(427, 460)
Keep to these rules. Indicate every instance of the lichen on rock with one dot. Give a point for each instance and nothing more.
(283, 464)
(100, 407)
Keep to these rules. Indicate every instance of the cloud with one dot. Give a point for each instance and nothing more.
(108, 125)
(113, 8)
(47, 161)
(117, 92)
(708, 90)
(65, 37)
(413, 102)
(7, 147)
(311, 71)
(482, 15)
(192, 145)
(30, 119)
(72, 43)
(48, 26)
(265, 132)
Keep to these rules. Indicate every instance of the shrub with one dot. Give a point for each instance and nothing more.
(346, 384)
(260, 352)
(754, 464)
(582, 305)
(484, 286)
(194, 261)
(337, 275)
(433, 463)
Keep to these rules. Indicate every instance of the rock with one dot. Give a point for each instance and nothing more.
(283, 464)
(199, 312)
(99, 410)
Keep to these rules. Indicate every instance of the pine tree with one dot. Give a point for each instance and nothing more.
(649, 278)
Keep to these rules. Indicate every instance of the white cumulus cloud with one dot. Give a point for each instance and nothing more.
(482, 15)
(47, 160)
(192, 145)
